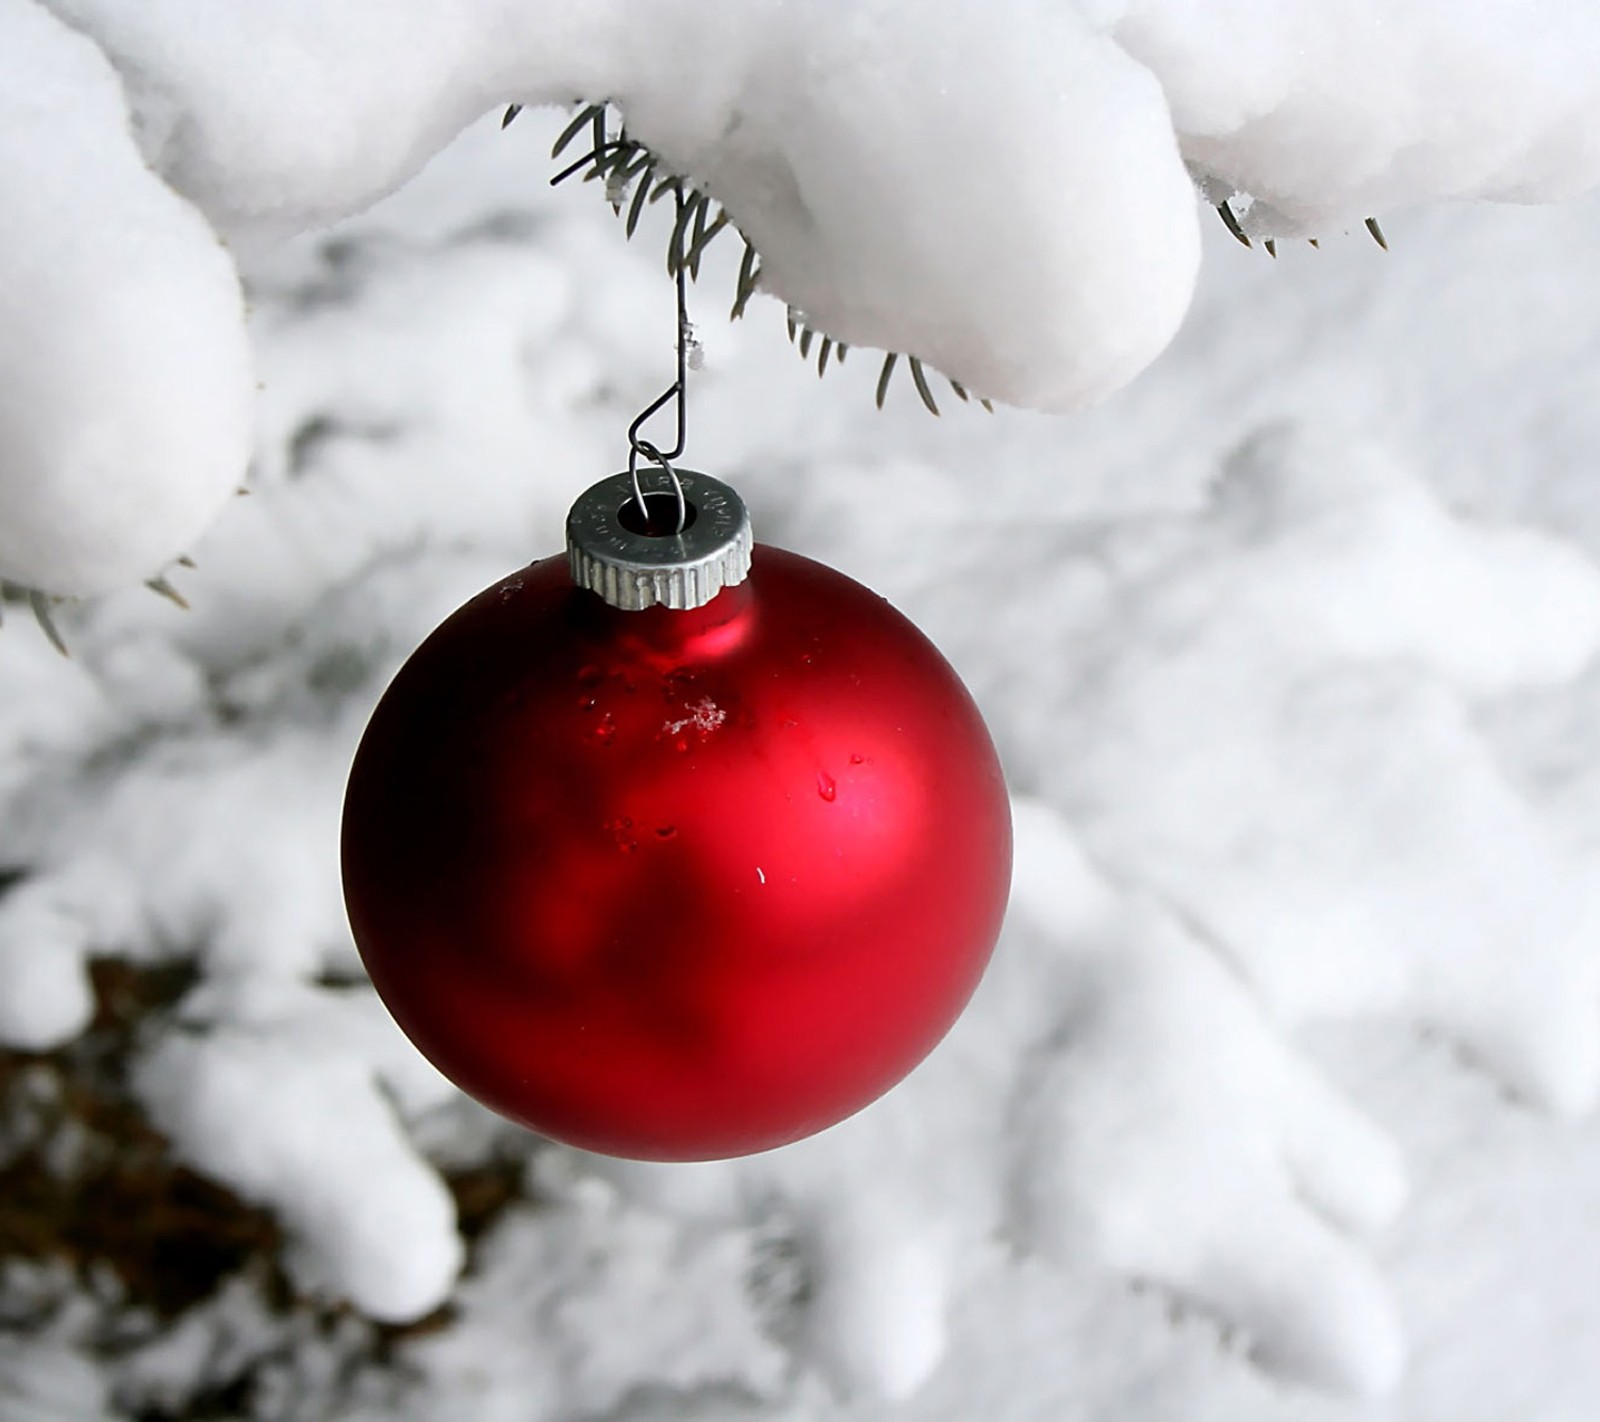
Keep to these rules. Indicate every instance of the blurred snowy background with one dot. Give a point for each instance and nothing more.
(1276, 1102)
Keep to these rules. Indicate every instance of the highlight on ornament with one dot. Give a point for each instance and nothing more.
(676, 846)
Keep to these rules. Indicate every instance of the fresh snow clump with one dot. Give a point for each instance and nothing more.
(1327, 111)
(285, 1110)
(125, 384)
(868, 160)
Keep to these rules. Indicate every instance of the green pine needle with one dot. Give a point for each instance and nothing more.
(883, 376)
(920, 380)
(42, 603)
(1225, 212)
(749, 275)
(163, 588)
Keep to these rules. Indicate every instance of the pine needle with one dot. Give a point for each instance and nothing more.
(920, 380)
(636, 208)
(610, 159)
(749, 273)
(584, 117)
(680, 233)
(512, 110)
(165, 589)
(883, 378)
(822, 356)
(704, 235)
(1225, 212)
(691, 257)
(41, 603)
(1377, 233)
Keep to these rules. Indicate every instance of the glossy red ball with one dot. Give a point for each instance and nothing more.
(677, 885)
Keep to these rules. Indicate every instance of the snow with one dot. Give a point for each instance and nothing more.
(1275, 1105)
(591, 1293)
(125, 384)
(1168, 1097)
(1056, 269)
(287, 1113)
(1323, 113)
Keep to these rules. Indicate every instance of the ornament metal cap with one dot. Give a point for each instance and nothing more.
(613, 551)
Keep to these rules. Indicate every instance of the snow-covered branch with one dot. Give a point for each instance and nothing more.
(1003, 191)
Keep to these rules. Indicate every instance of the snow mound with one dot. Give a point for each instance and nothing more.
(591, 1298)
(1328, 111)
(1285, 749)
(284, 1109)
(1174, 1136)
(125, 379)
(272, 124)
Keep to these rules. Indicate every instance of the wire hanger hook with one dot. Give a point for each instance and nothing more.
(677, 393)
(640, 448)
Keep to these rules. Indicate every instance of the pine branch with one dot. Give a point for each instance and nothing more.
(1230, 220)
(634, 178)
(43, 605)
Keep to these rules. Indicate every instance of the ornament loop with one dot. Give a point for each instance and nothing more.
(638, 447)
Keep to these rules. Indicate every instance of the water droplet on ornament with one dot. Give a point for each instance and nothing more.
(666, 831)
(590, 675)
(858, 760)
(606, 731)
(825, 786)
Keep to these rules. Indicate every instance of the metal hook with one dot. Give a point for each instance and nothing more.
(680, 259)
(648, 451)
(637, 445)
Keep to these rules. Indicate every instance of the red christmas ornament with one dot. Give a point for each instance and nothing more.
(676, 882)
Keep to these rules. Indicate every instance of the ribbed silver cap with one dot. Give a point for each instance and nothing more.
(633, 569)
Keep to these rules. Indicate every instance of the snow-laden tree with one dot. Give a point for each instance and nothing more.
(1280, 720)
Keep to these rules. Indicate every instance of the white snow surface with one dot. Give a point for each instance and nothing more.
(1274, 1107)
(125, 374)
(1005, 191)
